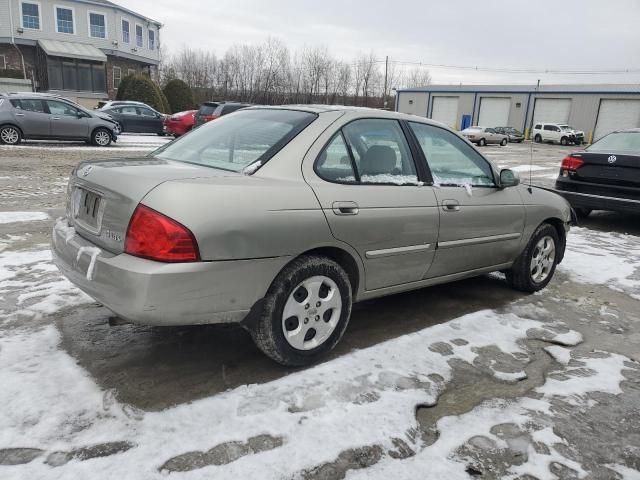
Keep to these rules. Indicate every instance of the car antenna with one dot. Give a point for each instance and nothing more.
(531, 142)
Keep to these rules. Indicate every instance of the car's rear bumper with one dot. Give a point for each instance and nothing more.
(597, 197)
(153, 293)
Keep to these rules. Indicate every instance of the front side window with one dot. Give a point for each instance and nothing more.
(453, 162)
(380, 152)
(139, 39)
(233, 142)
(334, 163)
(31, 15)
(152, 39)
(64, 20)
(117, 76)
(97, 25)
(125, 31)
(61, 108)
(538, 126)
(127, 110)
(145, 112)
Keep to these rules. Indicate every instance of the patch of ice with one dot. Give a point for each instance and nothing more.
(510, 377)
(93, 253)
(560, 354)
(626, 472)
(15, 217)
(569, 339)
(62, 227)
(251, 169)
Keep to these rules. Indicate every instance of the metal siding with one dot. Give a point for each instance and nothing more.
(5, 24)
(419, 106)
(616, 114)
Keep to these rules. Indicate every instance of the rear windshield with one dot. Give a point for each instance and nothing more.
(206, 109)
(619, 142)
(236, 141)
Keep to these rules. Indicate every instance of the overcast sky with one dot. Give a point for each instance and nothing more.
(543, 34)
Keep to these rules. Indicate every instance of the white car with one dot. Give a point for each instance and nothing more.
(556, 133)
(484, 135)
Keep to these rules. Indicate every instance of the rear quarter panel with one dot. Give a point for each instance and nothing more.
(542, 205)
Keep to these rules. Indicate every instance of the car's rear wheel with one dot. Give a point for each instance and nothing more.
(305, 311)
(503, 142)
(482, 142)
(535, 266)
(101, 137)
(537, 138)
(10, 135)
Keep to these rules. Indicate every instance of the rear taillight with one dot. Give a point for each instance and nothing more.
(157, 237)
(571, 163)
(208, 118)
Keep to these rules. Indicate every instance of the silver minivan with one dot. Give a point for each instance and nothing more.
(35, 116)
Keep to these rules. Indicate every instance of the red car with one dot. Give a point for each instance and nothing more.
(179, 123)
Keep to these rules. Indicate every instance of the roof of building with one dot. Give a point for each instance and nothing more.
(543, 88)
(58, 48)
(107, 3)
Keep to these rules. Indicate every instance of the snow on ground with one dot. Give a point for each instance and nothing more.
(14, 217)
(126, 141)
(606, 258)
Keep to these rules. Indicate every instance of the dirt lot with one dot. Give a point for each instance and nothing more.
(466, 380)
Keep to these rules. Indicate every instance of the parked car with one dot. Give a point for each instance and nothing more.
(604, 176)
(513, 135)
(33, 116)
(577, 134)
(179, 123)
(484, 135)
(554, 133)
(280, 217)
(137, 119)
(211, 110)
(104, 105)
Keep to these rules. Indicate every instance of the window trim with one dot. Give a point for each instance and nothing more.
(39, 16)
(106, 25)
(4, 61)
(113, 76)
(135, 35)
(73, 18)
(420, 172)
(122, 20)
(131, 71)
(150, 32)
(496, 184)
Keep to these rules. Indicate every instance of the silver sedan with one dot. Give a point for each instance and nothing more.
(280, 218)
(484, 135)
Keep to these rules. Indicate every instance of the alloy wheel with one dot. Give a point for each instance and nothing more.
(543, 258)
(10, 136)
(311, 312)
(102, 138)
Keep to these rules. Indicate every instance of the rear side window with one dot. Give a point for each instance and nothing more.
(206, 109)
(232, 108)
(31, 105)
(452, 161)
(334, 163)
(236, 141)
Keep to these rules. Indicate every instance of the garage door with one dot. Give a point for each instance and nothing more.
(445, 110)
(494, 112)
(552, 110)
(615, 115)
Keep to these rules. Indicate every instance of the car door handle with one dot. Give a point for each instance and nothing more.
(55, 118)
(451, 205)
(345, 208)
(19, 114)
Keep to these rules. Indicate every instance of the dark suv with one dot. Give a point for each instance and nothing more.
(211, 110)
(35, 116)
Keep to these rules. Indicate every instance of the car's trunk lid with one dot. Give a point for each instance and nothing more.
(103, 195)
(608, 168)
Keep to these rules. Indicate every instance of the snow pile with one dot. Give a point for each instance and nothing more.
(14, 217)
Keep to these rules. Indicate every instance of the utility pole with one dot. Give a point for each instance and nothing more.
(386, 71)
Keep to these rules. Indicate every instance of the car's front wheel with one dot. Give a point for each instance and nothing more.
(503, 142)
(101, 137)
(305, 311)
(482, 142)
(535, 266)
(10, 135)
(564, 141)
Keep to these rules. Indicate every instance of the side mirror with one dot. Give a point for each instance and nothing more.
(508, 178)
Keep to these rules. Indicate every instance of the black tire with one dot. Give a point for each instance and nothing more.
(564, 141)
(504, 142)
(161, 134)
(520, 276)
(482, 142)
(101, 137)
(268, 330)
(582, 212)
(537, 138)
(10, 135)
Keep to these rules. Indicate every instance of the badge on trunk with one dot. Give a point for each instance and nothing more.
(612, 159)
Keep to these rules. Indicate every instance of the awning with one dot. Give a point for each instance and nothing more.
(56, 48)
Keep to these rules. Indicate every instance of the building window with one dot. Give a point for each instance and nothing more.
(139, 38)
(77, 75)
(31, 15)
(117, 76)
(152, 40)
(131, 71)
(125, 31)
(64, 20)
(97, 25)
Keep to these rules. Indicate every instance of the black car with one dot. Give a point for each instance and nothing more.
(136, 118)
(604, 176)
(515, 136)
(211, 110)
